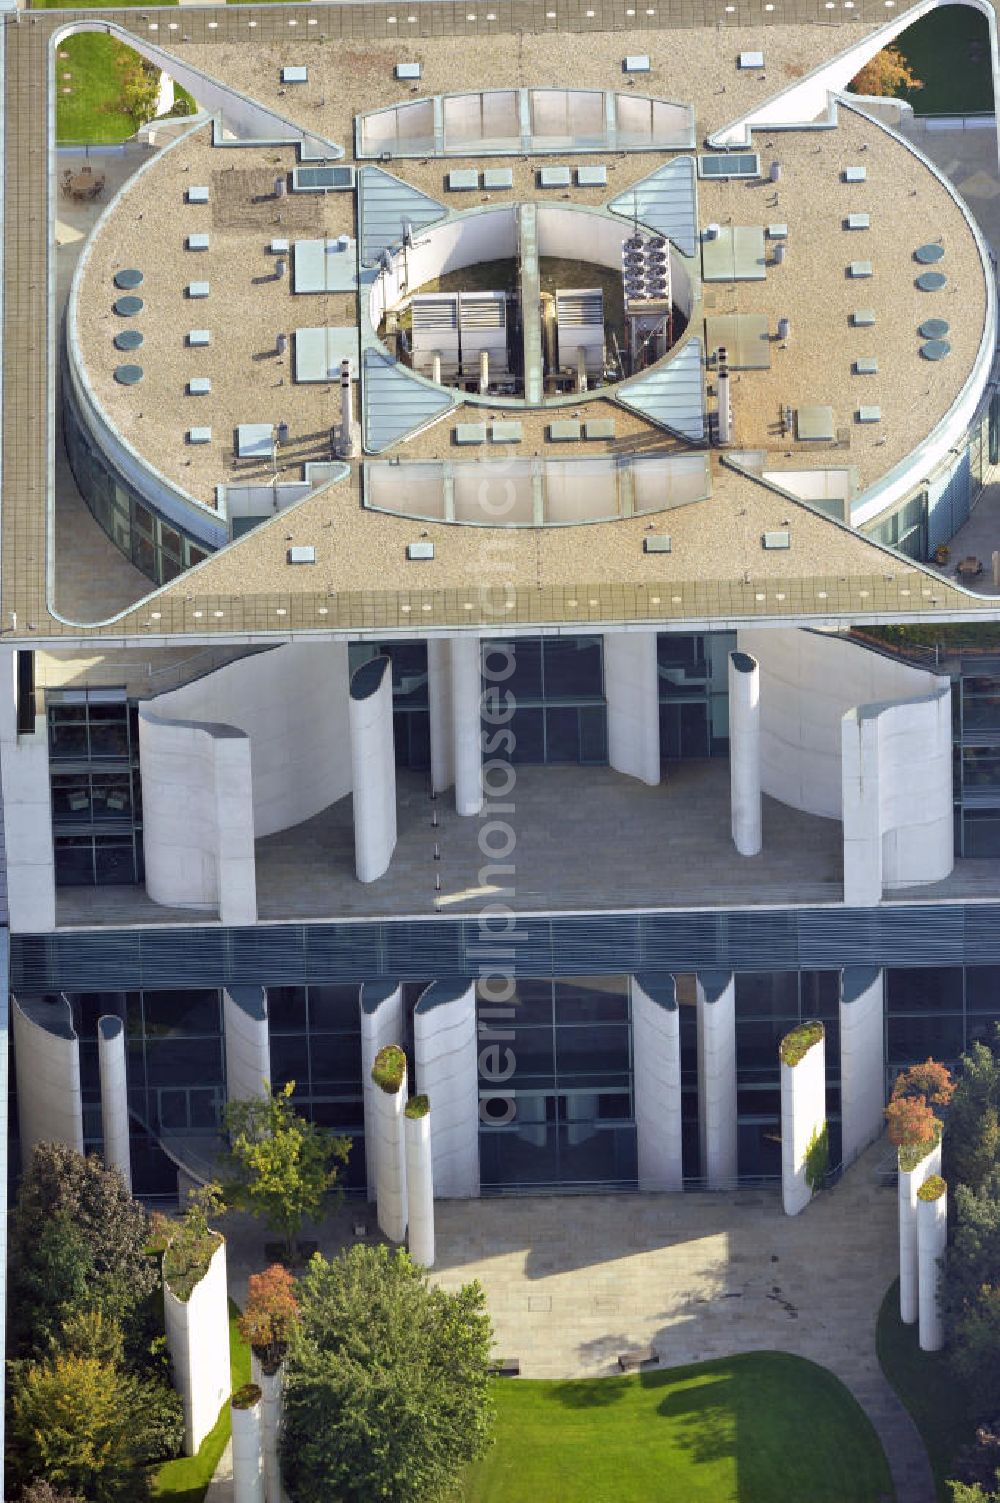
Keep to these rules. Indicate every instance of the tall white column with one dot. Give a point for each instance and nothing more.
(656, 1051)
(447, 1068)
(418, 1131)
(47, 1060)
(466, 706)
(381, 1008)
(439, 703)
(390, 1151)
(248, 1461)
(803, 1115)
(717, 1078)
(932, 1241)
(862, 1058)
(114, 1095)
(632, 690)
(27, 812)
(909, 1182)
(744, 752)
(272, 1388)
(373, 765)
(197, 1331)
(248, 1049)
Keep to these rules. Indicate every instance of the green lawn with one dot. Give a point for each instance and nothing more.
(940, 1408)
(761, 1428)
(91, 112)
(949, 49)
(185, 1480)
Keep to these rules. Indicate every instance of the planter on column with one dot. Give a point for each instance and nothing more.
(389, 1077)
(114, 1095)
(47, 1056)
(862, 1059)
(717, 1078)
(248, 1466)
(912, 1173)
(373, 768)
(656, 1050)
(932, 1239)
(381, 1007)
(198, 1342)
(805, 1149)
(272, 1390)
(466, 709)
(744, 752)
(419, 1180)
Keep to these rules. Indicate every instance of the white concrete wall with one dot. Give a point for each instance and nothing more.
(272, 1403)
(114, 1095)
(420, 1188)
(47, 1060)
(373, 762)
(744, 753)
(292, 704)
(632, 690)
(447, 1070)
(381, 1008)
(932, 1242)
(808, 683)
(656, 1052)
(198, 1343)
(717, 1078)
(803, 1117)
(248, 1461)
(197, 817)
(466, 709)
(248, 1049)
(27, 812)
(908, 1183)
(439, 700)
(390, 1161)
(862, 1058)
(898, 815)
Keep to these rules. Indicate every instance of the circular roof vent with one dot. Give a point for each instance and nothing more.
(934, 328)
(935, 349)
(928, 254)
(130, 339)
(130, 277)
(128, 375)
(931, 281)
(127, 307)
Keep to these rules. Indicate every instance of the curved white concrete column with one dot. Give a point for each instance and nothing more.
(932, 1242)
(248, 1049)
(717, 1078)
(439, 704)
(114, 1095)
(447, 1070)
(803, 1119)
(198, 1343)
(908, 1183)
(381, 1007)
(373, 763)
(27, 812)
(272, 1403)
(744, 753)
(466, 708)
(632, 690)
(47, 1060)
(419, 1182)
(656, 1052)
(197, 817)
(862, 1058)
(248, 1463)
(390, 1160)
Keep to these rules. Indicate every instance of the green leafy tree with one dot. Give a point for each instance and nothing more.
(44, 1492)
(139, 86)
(972, 1143)
(972, 1492)
(970, 1292)
(284, 1165)
(387, 1388)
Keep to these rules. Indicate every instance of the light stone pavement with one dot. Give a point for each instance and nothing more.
(573, 1280)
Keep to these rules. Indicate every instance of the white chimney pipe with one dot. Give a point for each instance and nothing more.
(347, 435)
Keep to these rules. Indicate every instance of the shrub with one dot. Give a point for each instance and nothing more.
(930, 1081)
(417, 1107)
(932, 1188)
(246, 1397)
(796, 1045)
(389, 1069)
(817, 1157)
(193, 1244)
(271, 1314)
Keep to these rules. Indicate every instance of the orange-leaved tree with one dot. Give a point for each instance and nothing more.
(885, 75)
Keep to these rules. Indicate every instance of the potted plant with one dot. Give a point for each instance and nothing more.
(266, 1325)
(942, 553)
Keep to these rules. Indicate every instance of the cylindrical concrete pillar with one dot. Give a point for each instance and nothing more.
(862, 1058)
(440, 713)
(466, 706)
(389, 1076)
(909, 1183)
(419, 1180)
(448, 1059)
(248, 1046)
(631, 687)
(248, 1465)
(656, 1051)
(47, 1058)
(373, 764)
(114, 1095)
(932, 1240)
(716, 994)
(744, 752)
(381, 1007)
(272, 1394)
(803, 1112)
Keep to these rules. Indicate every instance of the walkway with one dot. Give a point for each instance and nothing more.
(573, 1280)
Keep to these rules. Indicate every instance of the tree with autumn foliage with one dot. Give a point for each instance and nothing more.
(913, 1123)
(885, 76)
(271, 1315)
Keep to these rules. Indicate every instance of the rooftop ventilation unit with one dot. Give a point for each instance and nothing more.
(580, 325)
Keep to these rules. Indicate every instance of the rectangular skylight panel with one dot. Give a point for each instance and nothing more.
(498, 177)
(198, 337)
(408, 70)
(553, 177)
(858, 221)
(859, 269)
(199, 435)
(730, 164)
(637, 63)
(751, 60)
(855, 174)
(199, 386)
(197, 242)
(197, 289)
(463, 180)
(866, 366)
(863, 318)
(295, 75)
(198, 195)
(592, 177)
(869, 414)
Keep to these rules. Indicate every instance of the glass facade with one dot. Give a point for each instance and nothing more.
(693, 674)
(95, 787)
(904, 529)
(560, 713)
(938, 1011)
(976, 712)
(156, 547)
